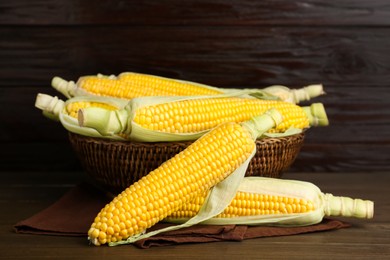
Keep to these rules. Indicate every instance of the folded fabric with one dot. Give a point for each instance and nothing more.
(73, 214)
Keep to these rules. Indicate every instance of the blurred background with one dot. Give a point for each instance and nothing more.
(237, 43)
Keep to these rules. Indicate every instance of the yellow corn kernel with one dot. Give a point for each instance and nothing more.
(249, 204)
(196, 115)
(73, 107)
(175, 183)
(155, 85)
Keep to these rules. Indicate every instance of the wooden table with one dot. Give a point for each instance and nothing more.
(23, 194)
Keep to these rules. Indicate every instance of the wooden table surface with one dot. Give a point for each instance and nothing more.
(23, 194)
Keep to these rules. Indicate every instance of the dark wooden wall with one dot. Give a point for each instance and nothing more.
(227, 43)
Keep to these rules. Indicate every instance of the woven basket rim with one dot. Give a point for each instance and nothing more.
(107, 141)
(114, 165)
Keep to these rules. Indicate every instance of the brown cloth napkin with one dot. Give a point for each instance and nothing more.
(73, 214)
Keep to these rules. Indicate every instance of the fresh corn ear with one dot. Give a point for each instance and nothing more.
(129, 85)
(217, 159)
(269, 201)
(187, 118)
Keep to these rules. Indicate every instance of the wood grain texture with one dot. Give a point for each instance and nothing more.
(195, 12)
(225, 56)
(342, 44)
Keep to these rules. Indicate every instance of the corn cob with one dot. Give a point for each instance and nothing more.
(269, 201)
(188, 118)
(209, 161)
(129, 85)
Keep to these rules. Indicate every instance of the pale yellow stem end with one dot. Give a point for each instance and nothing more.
(308, 92)
(316, 114)
(67, 88)
(51, 106)
(348, 207)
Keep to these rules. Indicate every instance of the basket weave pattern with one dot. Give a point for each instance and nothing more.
(115, 165)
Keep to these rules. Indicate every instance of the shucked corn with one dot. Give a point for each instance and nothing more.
(129, 85)
(205, 163)
(261, 200)
(188, 118)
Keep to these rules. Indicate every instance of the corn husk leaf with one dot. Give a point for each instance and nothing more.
(290, 131)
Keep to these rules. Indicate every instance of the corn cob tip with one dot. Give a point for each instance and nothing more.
(51, 106)
(64, 87)
(316, 114)
(348, 207)
(308, 92)
(42, 101)
(314, 90)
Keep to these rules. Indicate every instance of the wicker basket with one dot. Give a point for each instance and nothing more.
(114, 165)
